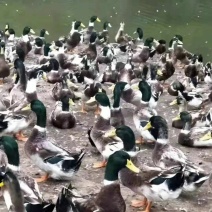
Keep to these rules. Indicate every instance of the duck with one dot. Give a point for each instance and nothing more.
(110, 74)
(57, 163)
(87, 32)
(153, 183)
(166, 70)
(45, 57)
(102, 133)
(9, 34)
(61, 116)
(109, 197)
(39, 43)
(63, 89)
(138, 42)
(106, 56)
(193, 136)
(121, 38)
(127, 74)
(117, 117)
(4, 66)
(53, 75)
(29, 188)
(105, 33)
(24, 44)
(142, 55)
(166, 156)
(89, 92)
(193, 99)
(43, 32)
(174, 87)
(75, 26)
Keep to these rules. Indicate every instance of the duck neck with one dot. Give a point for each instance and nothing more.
(105, 112)
(65, 106)
(26, 38)
(162, 136)
(11, 37)
(187, 126)
(117, 97)
(91, 24)
(22, 75)
(111, 174)
(183, 107)
(31, 86)
(41, 119)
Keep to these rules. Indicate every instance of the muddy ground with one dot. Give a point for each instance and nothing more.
(89, 180)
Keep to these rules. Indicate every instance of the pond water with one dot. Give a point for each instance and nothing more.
(160, 19)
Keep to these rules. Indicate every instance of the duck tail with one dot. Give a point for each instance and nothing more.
(89, 137)
(78, 160)
(65, 201)
(48, 207)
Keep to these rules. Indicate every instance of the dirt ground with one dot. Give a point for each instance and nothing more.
(89, 180)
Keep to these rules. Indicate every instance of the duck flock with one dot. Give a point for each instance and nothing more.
(85, 68)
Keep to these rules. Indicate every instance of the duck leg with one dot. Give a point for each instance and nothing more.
(97, 111)
(20, 136)
(83, 108)
(100, 164)
(1, 81)
(42, 179)
(139, 203)
(140, 140)
(148, 207)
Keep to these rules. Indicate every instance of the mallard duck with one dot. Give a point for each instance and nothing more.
(4, 66)
(22, 194)
(87, 32)
(141, 56)
(117, 117)
(166, 156)
(45, 57)
(133, 95)
(105, 33)
(153, 183)
(62, 89)
(43, 32)
(139, 40)
(39, 44)
(102, 133)
(88, 97)
(192, 99)
(198, 119)
(9, 33)
(109, 197)
(31, 194)
(127, 74)
(75, 26)
(57, 163)
(53, 75)
(121, 38)
(25, 44)
(191, 135)
(106, 56)
(166, 70)
(61, 116)
(110, 74)
(208, 73)
(174, 87)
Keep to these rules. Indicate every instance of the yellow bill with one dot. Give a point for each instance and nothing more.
(206, 137)
(47, 33)
(159, 72)
(112, 87)
(71, 102)
(91, 100)
(44, 76)
(1, 184)
(132, 167)
(176, 118)
(14, 77)
(135, 87)
(71, 84)
(111, 133)
(28, 107)
(32, 31)
(148, 126)
(98, 20)
(82, 25)
(100, 90)
(173, 102)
